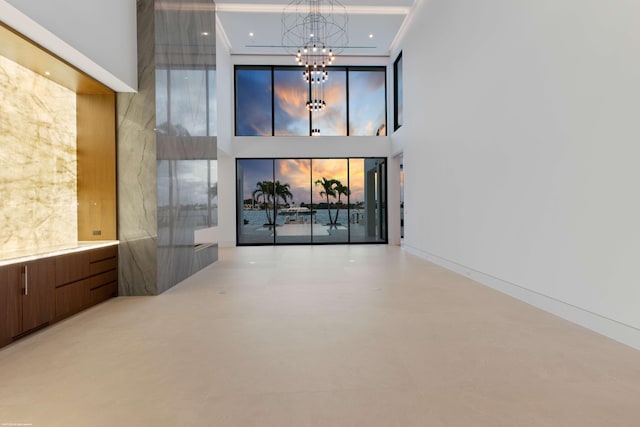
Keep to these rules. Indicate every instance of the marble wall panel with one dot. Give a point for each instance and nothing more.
(164, 142)
(137, 201)
(38, 162)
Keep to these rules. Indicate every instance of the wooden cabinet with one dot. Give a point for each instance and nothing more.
(10, 303)
(26, 297)
(84, 279)
(37, 293)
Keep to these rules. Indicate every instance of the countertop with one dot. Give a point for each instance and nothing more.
(8, 258)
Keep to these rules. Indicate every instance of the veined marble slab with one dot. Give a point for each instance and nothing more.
(38, 173)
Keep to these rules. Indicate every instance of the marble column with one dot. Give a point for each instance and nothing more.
(163, 154)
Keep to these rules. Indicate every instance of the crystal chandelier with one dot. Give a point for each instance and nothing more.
(315, 31)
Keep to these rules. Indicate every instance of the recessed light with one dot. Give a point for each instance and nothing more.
(204, 33)
(250, 34)
(46, 73)
(370, 36)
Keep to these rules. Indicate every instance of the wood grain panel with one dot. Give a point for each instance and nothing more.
(38, 305)
(103, 293)
(71, 267)
(96, 123)
(10, 303)
(29, 54)
(103, 279)
(102, 254)
(72, 298)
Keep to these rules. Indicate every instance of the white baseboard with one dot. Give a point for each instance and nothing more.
(620, 332)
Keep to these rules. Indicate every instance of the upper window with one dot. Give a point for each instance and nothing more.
(271, 101)
(397, 93)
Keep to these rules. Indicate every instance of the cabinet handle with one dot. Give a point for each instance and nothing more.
(26, 280)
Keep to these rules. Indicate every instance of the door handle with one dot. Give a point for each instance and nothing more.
(26, 280)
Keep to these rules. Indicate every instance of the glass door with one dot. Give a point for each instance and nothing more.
(295, 217)
(256, 202)
(311, 201)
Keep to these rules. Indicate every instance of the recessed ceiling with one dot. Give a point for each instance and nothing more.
(372, 28)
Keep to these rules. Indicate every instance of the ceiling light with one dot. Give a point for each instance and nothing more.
(314, 31)
(46, 73)
(250, 34)
(204, 33)
(370, 36)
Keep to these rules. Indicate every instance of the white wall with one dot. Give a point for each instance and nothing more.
(521, 147)
(97, 36)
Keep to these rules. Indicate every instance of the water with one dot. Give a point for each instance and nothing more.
(260, 217)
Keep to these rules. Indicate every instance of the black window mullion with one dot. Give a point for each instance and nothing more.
(310, 114)
(273, 110)
(348, 198)
(275, 195)
(348, 100)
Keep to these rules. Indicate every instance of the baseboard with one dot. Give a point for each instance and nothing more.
(617, 331)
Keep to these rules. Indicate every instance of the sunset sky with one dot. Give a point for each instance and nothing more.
(291, 118)
(298, 174)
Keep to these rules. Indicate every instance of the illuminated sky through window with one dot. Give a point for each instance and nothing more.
(367, 102)
(290, 93)
(253, 103)
(297, 173)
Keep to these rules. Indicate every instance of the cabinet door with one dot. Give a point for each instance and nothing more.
(10, 303)
(38, 302)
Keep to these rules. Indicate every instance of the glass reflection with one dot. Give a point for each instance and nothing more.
(297, 201)
(188, 102)
(367, 100)
(213, 103)
(290, 95)
(330, 197)
(367, 214)
(295, 215)
(256, 202)
(253, 102)
(187, 199)
(333, 120)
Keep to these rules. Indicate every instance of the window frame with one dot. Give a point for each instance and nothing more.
(346, 69)
(397, 77)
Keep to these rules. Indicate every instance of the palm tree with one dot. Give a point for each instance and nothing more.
(264, 190)
(328, 190)
(340, 190)
(283, 191)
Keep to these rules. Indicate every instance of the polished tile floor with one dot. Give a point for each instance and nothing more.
(319, 336)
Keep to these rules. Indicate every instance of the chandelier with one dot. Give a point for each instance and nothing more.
(314, 31)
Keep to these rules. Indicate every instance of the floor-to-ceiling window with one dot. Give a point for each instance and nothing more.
(271, 101)
(311, 201)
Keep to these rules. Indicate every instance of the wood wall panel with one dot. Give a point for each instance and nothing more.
(96, 167)
(29, 54)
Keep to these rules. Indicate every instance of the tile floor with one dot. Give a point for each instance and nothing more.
(319, 336)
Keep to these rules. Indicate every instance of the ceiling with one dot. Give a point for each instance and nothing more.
(372, 25)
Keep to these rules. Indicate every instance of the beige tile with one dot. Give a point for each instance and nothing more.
(319, 336)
